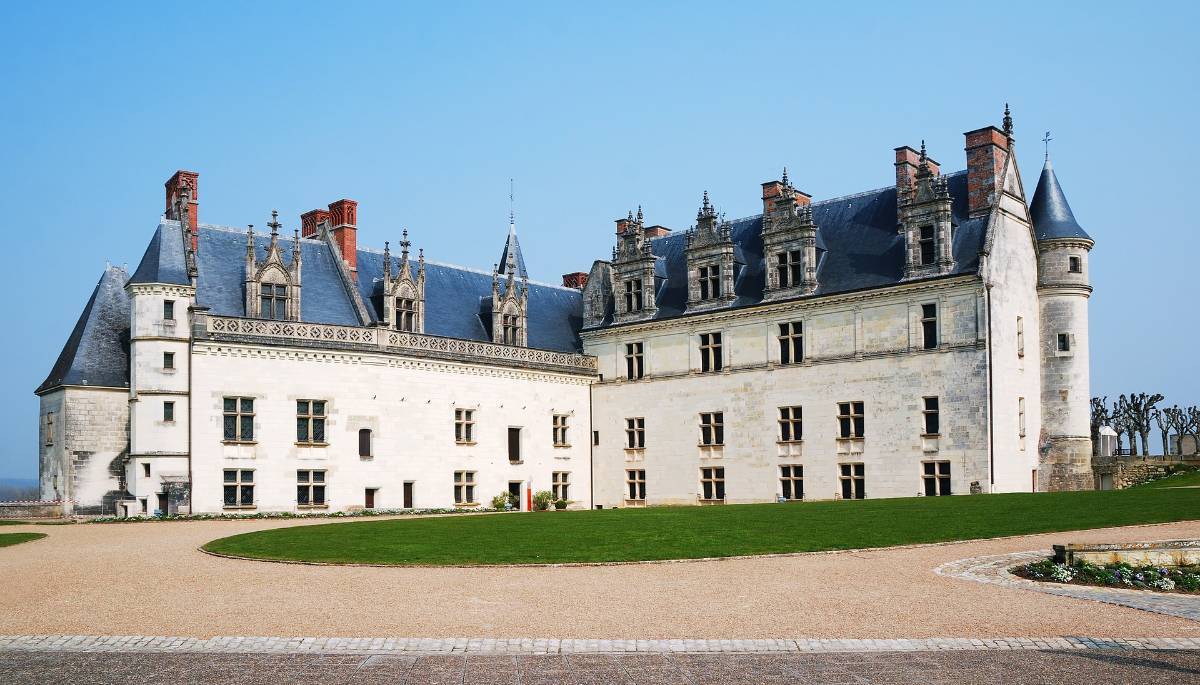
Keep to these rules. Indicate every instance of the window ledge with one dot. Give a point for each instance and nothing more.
(465, 443)
(710, 501)
(312, 506)
(931, 435)
(790, 442)
(239, 442)
(169, 369)
(635, 450)
(516, 462)
(240, 506)
(465, 505)
(300, 443)
(562, 446)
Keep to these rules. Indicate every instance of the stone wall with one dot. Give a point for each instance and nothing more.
(1126, 472)
(31, 510)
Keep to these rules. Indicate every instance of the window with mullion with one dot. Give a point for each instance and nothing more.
(560, 430)
(788, 268)
(710, 282)
(464, 487)
(274, 301)
(712, 482)
(851, 422)
(936, 477)
(633, 295)
(239, 487)
(929, 326)
(791, 426)
(310, 488)
(635, 433)
(710, 352)
(635, 366)
(931, 415)
(635, 479)
(406, 314)
(926, 242)
(853, 480)
(791, 481)
(238, 419)
(791, 342)
(464, 426)
(712, 428)
(310, 421)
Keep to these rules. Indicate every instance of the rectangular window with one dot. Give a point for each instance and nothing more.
(168, 360)
(712, 483)
(929, 326)
(635, 433)
(710, 352)
(560, 431)
(310, 488)
(560, 484)
(514, 444)
(365, 446)
(274, 301)
(310, 422)
(710, 282)
(635, 482)
(406, 314)
(1064, 342)
(1021, 418)
(1074, 265)
(933, 425)
(936, 477)
(146, 469)
(788, 268)
(464, 426)
(791, 481)
(168, 310)
(851, 420)
(791, 427)
(635, 366)
(633, 295)
(464, 487)
(596, 438)
(239, 419)
(928, 254)
(712, 428)
(511, 329)
(791, 342)
(239, 487)
(853, 481)
(1020, 337)
(49, 430)
(168, 411)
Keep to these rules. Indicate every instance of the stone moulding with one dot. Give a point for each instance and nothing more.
(236, 329)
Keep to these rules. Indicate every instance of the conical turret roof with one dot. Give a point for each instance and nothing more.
(1051, 215)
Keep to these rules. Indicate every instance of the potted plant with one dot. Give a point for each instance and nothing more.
(501, 502)
(542, 500)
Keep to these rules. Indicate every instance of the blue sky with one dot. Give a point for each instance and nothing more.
(422, 113)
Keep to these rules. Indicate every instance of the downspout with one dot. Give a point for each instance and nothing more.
(591, 438)
(991, 394)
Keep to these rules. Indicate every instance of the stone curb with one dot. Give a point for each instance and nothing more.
(740, 557)
(533, 646)
(994, 570)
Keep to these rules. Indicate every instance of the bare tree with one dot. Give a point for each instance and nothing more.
(1192, 428)
(1164, 428)
(1117, 417)
(1176, 419)
(1100, 417)
(1140, 408)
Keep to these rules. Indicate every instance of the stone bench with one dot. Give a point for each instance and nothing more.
(1163, 553)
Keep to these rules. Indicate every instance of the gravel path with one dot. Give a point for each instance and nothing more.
(150, 579)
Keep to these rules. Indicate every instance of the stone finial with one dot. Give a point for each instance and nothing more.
(923, 163)
(784, 180)
(404, 245)
(639, 218)
(274, 224)
(1008, 124)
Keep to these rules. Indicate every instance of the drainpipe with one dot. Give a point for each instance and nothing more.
(991, 395)
(591, 450)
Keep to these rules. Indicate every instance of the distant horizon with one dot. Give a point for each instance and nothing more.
(423, 115)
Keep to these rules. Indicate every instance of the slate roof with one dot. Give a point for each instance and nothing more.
(164, 260)
(1051, 215)
(458, 299)
(858, 248)
(97, 351)
(514, 246)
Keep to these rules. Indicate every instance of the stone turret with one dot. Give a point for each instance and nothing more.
(1065, 448)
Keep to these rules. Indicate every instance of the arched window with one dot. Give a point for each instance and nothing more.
(364, 442)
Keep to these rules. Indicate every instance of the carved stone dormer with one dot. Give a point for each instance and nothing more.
(404, 294)
(273, 286)
(789, 241)
(923, 215)
(633, 282)
(510, 307)
(709, 260)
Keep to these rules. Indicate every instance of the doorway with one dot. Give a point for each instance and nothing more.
(162, 503)
(370, 503)
(408, 494)
(514, 494)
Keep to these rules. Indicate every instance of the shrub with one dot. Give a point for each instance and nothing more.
(542, 499)
(500, 501)
(1160, 578)
(560, 504)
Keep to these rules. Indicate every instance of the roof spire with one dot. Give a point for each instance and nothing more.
(1008, 129)
(512, 215)
(274, 224)
(786, 183)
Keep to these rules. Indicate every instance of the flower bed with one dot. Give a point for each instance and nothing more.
(1181, 579)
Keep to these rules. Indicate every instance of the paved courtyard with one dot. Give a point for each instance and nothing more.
(150, 579)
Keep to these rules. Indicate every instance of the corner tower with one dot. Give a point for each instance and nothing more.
(1065, 448)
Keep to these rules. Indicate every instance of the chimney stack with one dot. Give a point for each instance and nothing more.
(656, 231)
(908, 162)
(576, 280)
(779, 192)
(987, 153)
(310, 222)
(343, 214)
(175, 186)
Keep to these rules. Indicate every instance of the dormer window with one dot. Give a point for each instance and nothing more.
(633, 295)
(710, 282)
(406, 314)
(512, 329)
(928, 253)
(273, 301)
(789, 268)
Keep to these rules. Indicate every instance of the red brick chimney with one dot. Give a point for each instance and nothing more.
(623, 224)
(576, 280)
(343, 214)
(175, 185)
(987, 152)
(908, 161)
(310, 221)
(656, 231)
(773, 195)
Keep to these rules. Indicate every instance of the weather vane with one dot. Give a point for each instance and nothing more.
(1046, 139)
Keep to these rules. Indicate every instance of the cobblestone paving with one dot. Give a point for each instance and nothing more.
(535, 646)
(994, 570)
(1095, 667)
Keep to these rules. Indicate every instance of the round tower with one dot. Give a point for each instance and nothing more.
(1065, 445)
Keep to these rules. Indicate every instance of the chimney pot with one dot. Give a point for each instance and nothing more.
(343, 214)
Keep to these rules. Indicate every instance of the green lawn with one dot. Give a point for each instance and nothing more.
(8, 539)
(691, 532)
(10, 522)
(1191, 479)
